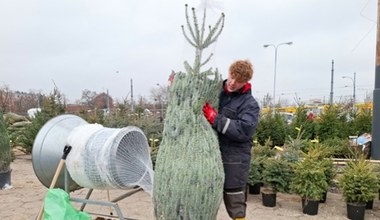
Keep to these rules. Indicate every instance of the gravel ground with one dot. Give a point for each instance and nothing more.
(24, 200)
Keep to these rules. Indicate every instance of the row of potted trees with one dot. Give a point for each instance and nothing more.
(309, 175)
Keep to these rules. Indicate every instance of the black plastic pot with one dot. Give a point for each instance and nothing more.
(269, 199)
(310, 207)
(255, 189)
(323, 199)
(356, 211)
(5, 178)
(369, 205)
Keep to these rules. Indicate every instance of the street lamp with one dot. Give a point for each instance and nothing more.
(275, 69)
(354, 88)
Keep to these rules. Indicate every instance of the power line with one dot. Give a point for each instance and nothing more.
(370, 29)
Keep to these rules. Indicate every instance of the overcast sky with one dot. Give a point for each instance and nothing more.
(99, 45)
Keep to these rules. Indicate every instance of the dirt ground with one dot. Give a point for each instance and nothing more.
(24, 199)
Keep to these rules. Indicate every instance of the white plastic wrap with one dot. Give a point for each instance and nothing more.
(106, 158)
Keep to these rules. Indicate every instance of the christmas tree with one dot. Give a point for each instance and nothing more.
(189, 176)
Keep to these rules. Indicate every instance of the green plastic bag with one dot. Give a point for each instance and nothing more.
(58, 207)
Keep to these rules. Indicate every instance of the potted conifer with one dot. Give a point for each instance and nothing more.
(322, 155)
(330, 173)
(276, 177)
(359, 184)
(254, 176)
(309, 181)
(5, 155)
(259, 154)
(377, 171)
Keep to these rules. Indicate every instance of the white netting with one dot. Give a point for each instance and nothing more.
(106, 158)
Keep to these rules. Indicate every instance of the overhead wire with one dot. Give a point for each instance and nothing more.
(370, 29)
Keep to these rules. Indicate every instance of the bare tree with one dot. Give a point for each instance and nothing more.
(87, 98)
(5, 98)
(23, 101)
(266, 101)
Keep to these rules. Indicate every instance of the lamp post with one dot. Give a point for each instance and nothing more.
(275, 69)
(375, 148)
(354, 88)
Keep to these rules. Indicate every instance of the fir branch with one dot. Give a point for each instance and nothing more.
(189, 25)
(198, 40)
(187, 38)
(207, 72)
(211, 38)
(203, 24)
(208, 59)
(188, 67)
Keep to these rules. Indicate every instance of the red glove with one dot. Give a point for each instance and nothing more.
(209, 112)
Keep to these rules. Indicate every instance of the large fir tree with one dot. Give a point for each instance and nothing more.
(188, 181)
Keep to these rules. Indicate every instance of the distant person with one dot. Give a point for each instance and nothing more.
(310, 115)
(235, 122)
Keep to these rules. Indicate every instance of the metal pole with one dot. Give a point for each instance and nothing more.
(275, 71)
(354, 95)
(332, 84)
(274, 79)
(376, 96)
(353, 88)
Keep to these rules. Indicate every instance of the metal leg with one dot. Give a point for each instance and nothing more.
(87, 197)
(66, 179)
(103, 203)
(112, 203)
(126, 195)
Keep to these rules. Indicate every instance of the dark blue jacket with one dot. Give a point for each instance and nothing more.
(235, 124)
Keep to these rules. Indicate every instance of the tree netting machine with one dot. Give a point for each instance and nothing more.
(100, 158)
